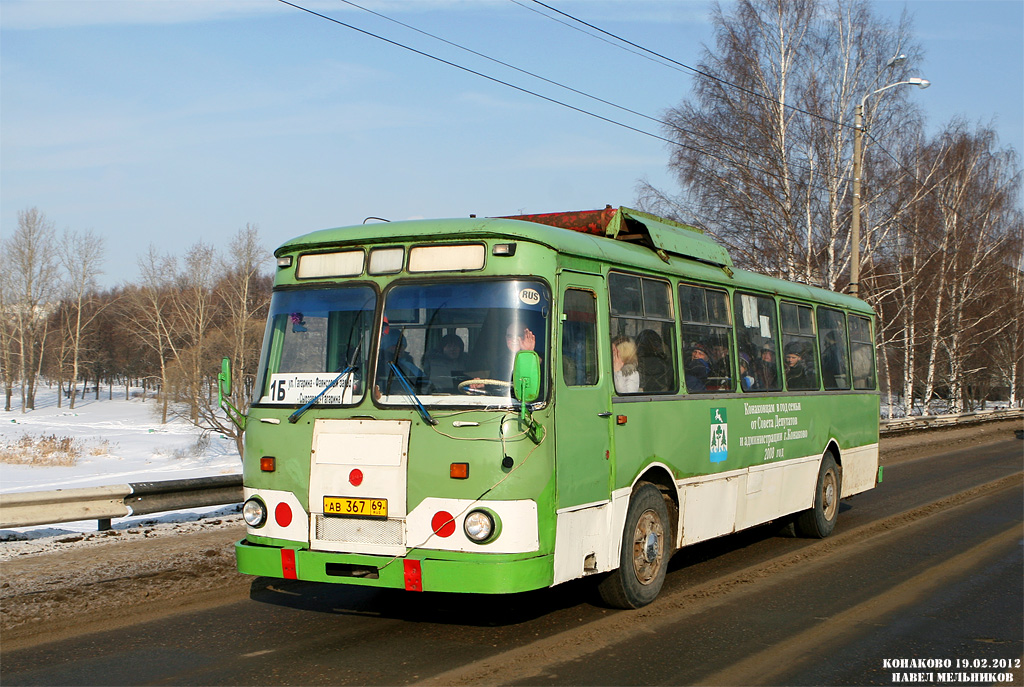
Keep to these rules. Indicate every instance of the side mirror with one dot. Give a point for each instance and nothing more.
(224, 389)
(224, 378)
(526, 376)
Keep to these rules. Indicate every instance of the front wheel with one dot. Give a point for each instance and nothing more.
(819, 521)
(643, 559)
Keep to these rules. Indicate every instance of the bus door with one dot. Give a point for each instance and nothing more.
(583, 409)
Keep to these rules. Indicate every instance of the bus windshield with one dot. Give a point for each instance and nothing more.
(453, 343)
(313, 336)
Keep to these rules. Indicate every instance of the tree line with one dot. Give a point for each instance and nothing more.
(166, 332)
(764, 162)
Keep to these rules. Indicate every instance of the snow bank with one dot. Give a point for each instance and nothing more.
(118, 441)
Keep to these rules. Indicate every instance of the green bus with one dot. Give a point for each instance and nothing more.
(495, 405)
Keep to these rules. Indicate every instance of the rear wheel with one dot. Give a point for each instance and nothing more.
(643, 559)
(819, 521)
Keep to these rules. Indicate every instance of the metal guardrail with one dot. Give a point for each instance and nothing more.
(904, 424)
(143, 498)
(117, 500)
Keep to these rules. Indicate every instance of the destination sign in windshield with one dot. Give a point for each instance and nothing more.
(302, 387)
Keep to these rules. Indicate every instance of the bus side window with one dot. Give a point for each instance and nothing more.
(757, 338)
(835, 363)
(579, 338)
(862, 350)
(707, 336)
(799, 354)
(642, 326)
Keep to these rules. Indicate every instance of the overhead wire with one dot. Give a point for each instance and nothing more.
(699, 72)
(475, 72)
(552, 82)
(596, 37)
(528, 91)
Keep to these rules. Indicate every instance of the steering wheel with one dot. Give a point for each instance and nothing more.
(466, 386)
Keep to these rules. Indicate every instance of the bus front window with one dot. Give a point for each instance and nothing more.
(454, 343)
(315, 339)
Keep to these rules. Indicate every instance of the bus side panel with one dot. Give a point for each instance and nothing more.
(777, 489)
(583, 542)
(742, 461)
(860, 469)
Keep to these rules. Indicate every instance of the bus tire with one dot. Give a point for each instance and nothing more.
(644, 556)
(819, 521)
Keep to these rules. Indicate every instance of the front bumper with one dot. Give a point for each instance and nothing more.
(479, 574)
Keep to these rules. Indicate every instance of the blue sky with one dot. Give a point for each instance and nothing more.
(166, 122)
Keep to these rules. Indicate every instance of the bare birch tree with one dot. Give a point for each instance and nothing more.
(149, 314)
(193, 318)
(81, 256)
(242, 296)
(31, 265)
(8, 337)
(764, 147)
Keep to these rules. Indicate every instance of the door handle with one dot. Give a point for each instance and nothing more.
(608, 414)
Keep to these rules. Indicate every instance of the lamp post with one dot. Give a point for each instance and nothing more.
(858, 161)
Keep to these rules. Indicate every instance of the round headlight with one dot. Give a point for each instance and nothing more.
(479, 526)
(254, 513)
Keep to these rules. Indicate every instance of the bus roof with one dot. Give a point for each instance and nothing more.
(622, 236)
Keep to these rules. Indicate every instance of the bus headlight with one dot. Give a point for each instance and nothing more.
(254, 513)
(480, 526)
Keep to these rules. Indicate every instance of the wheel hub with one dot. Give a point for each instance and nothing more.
(648, 549)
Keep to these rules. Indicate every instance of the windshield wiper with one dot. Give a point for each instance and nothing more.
(351, 368)
(294, 417)
(424, 413)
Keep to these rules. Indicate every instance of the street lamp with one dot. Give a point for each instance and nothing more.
(858, 155)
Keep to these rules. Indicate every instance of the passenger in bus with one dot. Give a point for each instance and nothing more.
(698, 368)
(624, 365)
(765, 370)
(720, 361)
(518, 337)
(833, 359)
(747, 380)
(446, 366)
(393, 350)
(655, 369)
(797, 374)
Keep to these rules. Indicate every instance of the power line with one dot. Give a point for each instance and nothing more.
(529, 92)
(476, 73)
(686, 66)
(595, 36)
(504, 64)
(656, 120)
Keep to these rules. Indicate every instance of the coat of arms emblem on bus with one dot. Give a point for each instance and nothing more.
(719, 435)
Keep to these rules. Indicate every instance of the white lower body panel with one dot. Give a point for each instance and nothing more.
(588, 537)
(860, 469)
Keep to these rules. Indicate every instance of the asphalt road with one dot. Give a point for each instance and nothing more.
(926, 568)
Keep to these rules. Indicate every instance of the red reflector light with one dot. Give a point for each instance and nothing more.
(283, 514)
(288, 564)
(355, 478)
(413, 576)
(620, 419)
(268, 463)
(459, 470)
(443, 524)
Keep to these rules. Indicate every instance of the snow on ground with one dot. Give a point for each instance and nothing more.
(119, 441)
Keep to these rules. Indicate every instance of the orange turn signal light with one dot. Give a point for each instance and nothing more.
(459, 470)
(268, 463)
(620, 419)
